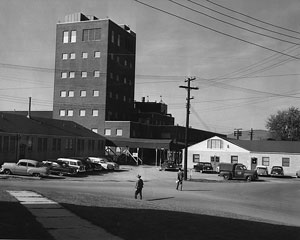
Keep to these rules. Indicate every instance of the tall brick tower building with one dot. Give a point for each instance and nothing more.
(94, 71)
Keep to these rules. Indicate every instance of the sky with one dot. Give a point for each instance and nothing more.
(243, 54)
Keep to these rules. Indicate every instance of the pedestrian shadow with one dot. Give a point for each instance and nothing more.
(157, 199)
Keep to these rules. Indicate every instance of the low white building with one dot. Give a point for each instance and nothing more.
(249, 153)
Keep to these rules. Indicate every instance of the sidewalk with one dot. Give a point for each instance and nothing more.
(59, 222)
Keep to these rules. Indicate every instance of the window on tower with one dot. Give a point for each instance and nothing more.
(95, 93)
(65, 37)
(81, 112)
(70, 113)
(72, 56)
(71, 93)
(73, 36)
(93, 34)
(72, 74)
(62, 112)
(63, 93)
(97, 54)
(95, 113)
(82, 93)
(96, 73)
(83, 74)
(84, 55)
(64, 75)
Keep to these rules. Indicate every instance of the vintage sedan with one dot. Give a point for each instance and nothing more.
(80, 168)
(60, 168)
(277, 171)
(203, 167)
(105, 163)
(25, 167)
(262, 171)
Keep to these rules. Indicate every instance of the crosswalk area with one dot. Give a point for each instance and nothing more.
(58, 221)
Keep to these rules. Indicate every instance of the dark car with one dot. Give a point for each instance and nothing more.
(89, 164)
(203, 167)
(169, 166)
(277, 171)
(60, 168)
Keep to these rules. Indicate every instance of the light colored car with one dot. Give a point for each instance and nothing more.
(262, 171)
(73, 163)
(25, 167)
(105, 163)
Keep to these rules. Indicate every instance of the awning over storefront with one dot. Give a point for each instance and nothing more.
(139, 143)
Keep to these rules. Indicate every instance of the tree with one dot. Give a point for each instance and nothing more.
(285, 125)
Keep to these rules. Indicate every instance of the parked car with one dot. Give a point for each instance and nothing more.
(60, 168)
(25, 167)
(105, 163)
(89, 164)
(203, 167)
(73, 163)
(262, 171)
(169, 166)
(277, 171)
(298, 174)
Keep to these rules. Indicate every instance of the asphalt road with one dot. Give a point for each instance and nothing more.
(272, 200)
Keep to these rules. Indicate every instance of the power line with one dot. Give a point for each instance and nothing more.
(245, 15)
(234, 25)
(217, 31)
(240, 20)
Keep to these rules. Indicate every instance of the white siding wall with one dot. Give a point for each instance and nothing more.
(276, 160)
(244, 156)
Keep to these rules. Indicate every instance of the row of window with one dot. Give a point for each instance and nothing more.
(107, 132)
(93, 34)
(95, 93)
(84, 55)
(69, 144)
(81, 113)
(234, 159)
(84, 74)
(82, 93)
(125, 62)
(9, 144)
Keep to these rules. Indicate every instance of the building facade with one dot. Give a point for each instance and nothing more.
(94, 71)
(45, 138)
(250, 153)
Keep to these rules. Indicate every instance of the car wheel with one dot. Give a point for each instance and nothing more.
(7, 171)
(249, 179)
(226, 177)
(36, 174)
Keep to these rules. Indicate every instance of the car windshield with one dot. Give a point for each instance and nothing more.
(207, 164)
(276, 168)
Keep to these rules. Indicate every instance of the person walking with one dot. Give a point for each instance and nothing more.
(179, 179)
(139, 186)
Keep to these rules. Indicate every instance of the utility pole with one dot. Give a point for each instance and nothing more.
(188, 99)
(238, 133)
(251, 134)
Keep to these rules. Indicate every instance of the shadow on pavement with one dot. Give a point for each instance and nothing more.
(156, 199)
(137, 224)
(16, 222)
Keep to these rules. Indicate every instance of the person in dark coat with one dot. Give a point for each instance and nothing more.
(139, 186)
(179, 179)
